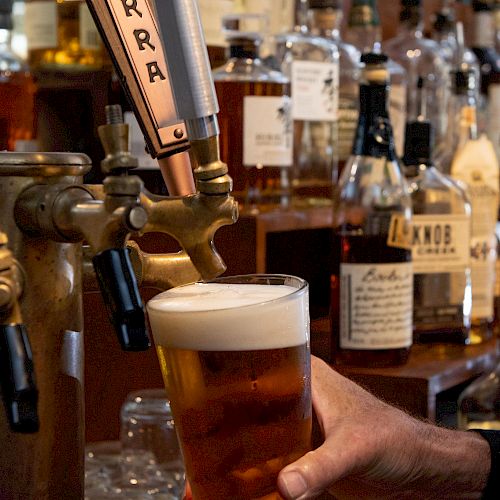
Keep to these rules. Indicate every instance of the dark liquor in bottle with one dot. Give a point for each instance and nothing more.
(372, 281)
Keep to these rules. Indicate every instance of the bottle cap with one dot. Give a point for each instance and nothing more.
(482, 6)
(373, 58)
(418, 141)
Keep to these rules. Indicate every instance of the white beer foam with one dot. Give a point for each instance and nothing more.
(230, 317)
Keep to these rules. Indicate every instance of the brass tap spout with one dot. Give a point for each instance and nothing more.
(17, 378)
(193, 221)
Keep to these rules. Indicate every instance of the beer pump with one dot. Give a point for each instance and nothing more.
(59, 231)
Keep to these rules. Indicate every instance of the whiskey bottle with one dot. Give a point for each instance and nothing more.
(472, 161)
(441, 227)
(365, 33)
(255, 124)
(372, 281)
(312, 65)
(62, 36)
(421, 58)
(17, 90)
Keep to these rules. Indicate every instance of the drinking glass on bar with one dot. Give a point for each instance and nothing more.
(235, 359)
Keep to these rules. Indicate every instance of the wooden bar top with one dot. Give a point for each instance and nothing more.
(431, 369)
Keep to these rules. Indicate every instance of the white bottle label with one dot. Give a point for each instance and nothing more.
(41, 25)
(397, 114)
(476, 165)
(315, 91)
(267, 131)
(440, 243)
(376, 306)
(484, 29)
(89, 35)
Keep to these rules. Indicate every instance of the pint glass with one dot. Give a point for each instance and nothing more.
(235, 359)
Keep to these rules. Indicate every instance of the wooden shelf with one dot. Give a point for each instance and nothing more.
(431, 369)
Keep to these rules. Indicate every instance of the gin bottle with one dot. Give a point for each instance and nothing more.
(372, 281)
(441, 227)
(254, 118)
(325, 21)
(312, 65)
(365, 33)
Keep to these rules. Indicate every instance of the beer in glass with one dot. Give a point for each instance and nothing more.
(235, 358)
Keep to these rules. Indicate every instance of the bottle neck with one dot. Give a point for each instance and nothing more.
(374, 135)
(364, 26)
(462, 120)
(325, 22)
(411, 21)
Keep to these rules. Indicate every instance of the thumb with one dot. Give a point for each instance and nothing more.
(313, 473)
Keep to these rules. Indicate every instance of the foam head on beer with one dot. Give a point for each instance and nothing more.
(230, 316)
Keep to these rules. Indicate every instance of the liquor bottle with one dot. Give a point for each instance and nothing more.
(450, 37)
(255, 126)
(312, 65)
(324, 18)
(365, 33)
(422, 58)
(472, 161)
(62, 36)
(371, 284)
(17, 90)
(479, 403)
(441, 227)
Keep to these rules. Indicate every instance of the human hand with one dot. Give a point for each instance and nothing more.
(373, 450)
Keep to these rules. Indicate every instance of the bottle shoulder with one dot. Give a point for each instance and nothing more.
(247, 70)
(10, 62)
(300, 46)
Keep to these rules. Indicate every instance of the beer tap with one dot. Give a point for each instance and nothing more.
(17, 378)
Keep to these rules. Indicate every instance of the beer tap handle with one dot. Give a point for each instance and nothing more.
(17, 379)
(120, 292)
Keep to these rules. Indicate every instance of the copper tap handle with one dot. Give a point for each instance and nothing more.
(120, 292)
(17, 379)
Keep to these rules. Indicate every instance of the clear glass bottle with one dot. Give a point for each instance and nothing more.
(421, 58)
(471, 160)
(365, 33)
(325, 20)
(444, 32)
(62, 35)
(17, 90)
(312, 65)
(479, 403)
(441, 227)
(255, 123)
(371, 285)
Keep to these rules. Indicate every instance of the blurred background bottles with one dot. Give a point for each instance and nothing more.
(310, 59)
(479, 403)
(371, 285)
(441, 227)
(255, 122)
(62, 35)
(17, 91)
(365, 33)
(422, 58)
(471, 160)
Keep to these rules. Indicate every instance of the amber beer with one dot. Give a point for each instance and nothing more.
(235, 359)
